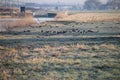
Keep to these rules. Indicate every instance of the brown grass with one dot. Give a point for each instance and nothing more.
(110, 46)
(5, 16)
(75, 59)
(21, 22)
(90, 17)
(61, 15)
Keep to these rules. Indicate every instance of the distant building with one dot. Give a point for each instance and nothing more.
(15, 12)
(8, 11)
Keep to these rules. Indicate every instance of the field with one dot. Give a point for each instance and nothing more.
(61, 50)
(89, 16)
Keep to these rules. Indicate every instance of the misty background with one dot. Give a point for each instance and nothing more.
(73, 2)
(64, 4)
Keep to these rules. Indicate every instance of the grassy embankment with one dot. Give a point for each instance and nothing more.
(89, 16)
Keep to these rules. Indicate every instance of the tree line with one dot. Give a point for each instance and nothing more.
(98, 5)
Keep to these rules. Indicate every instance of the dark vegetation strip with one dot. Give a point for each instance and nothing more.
(44, 41)
(50, 33)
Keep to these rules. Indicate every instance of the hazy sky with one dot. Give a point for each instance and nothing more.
(60, 1)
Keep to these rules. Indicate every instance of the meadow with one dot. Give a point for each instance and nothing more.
(62, 50)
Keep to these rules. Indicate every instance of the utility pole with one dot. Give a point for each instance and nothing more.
(5, 3)
(1, 3)
(18, 3)
(10, 7)
(18, 14)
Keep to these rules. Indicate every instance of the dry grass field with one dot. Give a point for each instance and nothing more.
(68, 62)
(62, 50)
(1, 16)
(89, 16)
(19, 22)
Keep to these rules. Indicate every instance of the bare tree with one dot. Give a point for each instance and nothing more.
(113, 4)
(92, 4)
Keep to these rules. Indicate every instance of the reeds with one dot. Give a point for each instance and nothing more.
(6, 25)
